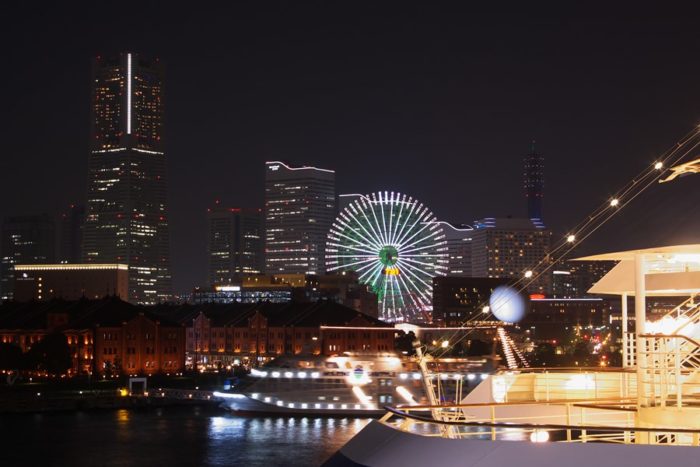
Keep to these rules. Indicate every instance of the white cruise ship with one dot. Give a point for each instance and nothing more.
(349, 384)
(646, 413)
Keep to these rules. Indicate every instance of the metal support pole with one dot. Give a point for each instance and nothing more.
(625, 357)
(640, 323)
(677, 370)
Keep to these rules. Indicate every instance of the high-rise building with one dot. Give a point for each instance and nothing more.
(235, 244)
(572, 279)
(127, 220)
(459, 248)
(460, 299)
(300, 206)
(534, 183)
(25, 240)
(508, 248)
(70, 234)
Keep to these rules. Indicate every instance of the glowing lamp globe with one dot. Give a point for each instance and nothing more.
(507, 304)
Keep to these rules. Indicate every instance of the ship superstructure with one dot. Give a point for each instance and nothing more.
(645, 413)
(348, 384)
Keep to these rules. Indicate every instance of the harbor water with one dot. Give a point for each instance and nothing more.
(173, 436)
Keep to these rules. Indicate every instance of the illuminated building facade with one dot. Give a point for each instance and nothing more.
(572, 279)
(237, 294)
(127, 219)
(553, 319)
(458, 299)
(43, 282)
(459, 247)
(508, 247)
(221, 334)
(533, 181)
(107, 336)
(25, 240)
(235, 244)
(300, 206)
(70, 234)
(343, 288)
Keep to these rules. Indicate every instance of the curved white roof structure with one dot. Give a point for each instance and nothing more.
(670, 271)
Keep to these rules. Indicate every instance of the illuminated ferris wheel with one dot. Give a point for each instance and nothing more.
(396, 246)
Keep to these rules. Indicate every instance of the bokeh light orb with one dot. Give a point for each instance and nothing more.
(507, 304)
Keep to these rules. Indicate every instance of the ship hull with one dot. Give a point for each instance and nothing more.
(379, 445)
(245, 405)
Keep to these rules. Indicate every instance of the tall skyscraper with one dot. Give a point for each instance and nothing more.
(507, 248)
(533, 181)
(235, 244)
(459, 248)
(300, 206)
(127, 219)
(25, 240)
(70, 234)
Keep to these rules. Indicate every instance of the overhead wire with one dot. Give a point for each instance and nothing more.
(594, 221)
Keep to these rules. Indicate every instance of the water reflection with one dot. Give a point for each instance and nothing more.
(173, 437)
(260, 441)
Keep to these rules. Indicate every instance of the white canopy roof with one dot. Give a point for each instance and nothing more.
(671, 270)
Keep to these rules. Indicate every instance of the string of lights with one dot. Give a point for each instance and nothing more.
(594, 221)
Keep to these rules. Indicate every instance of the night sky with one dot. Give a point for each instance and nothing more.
(435, 101)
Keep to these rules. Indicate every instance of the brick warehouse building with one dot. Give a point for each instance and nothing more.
(107, 335)
(220, 334)
(113, 336)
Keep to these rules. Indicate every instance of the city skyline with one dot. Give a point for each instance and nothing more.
(458, 137)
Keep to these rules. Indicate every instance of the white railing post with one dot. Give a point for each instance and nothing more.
(679, 390)
(625, 337)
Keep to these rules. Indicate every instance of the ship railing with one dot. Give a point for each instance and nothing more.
(630, 342)
(586, 421)
(545, 384)
(670, 365)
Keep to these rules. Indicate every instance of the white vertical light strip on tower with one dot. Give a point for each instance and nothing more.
(128, 94)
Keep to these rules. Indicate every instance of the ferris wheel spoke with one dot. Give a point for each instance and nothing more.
(391, 217)
(366, 239)
(379, 240)
(355, 256)
(369, 272)
(434, 231)
(436, 255)
(418, 290)
(361, 247)
(407, 290)
(384, 297)
(412, 271)
(351, 264)
(384, 230)
(398, 217)
(380, 233)
(369, 239)
(364, 267)
(419, 294)
(377, 274)
(415, 261)
(399, 232)
(420, 213)
(413, 250)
